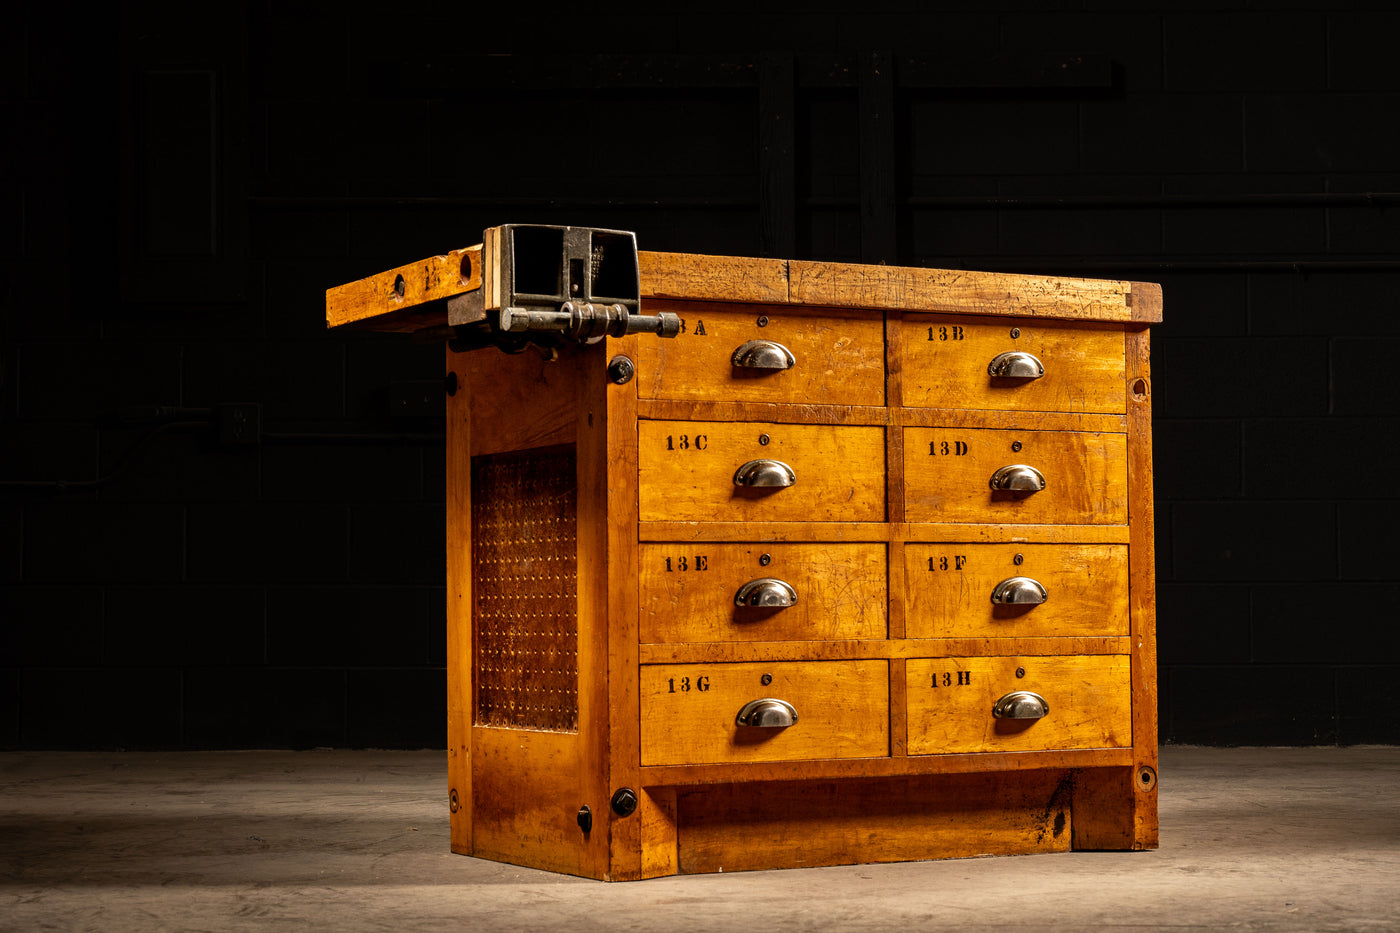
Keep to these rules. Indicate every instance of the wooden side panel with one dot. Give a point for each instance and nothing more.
(947, 474)
(951, 701)
(687, 469)
(957, 291)
(688, 711)
(687, 592)
(518, 401)
(947, 358)
(798, 824)
(459, 612)
(1086, 587)
(1145, 298)
(526, 800)
(839, 356)
(400, 300)
(712, 278)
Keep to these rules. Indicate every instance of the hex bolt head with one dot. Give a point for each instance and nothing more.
(624, 802)
(621, 370)
(585, 819)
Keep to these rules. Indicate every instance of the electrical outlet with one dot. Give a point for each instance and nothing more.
(240, 423)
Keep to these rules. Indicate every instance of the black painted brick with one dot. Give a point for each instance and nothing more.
(437, 626)
(328, 139)
(1197, 622)
(1366, 540)
(82, 380)
(101, 542)
(267, 543)
(1244, 51)
(1238, 705)
(1240, 230)
(398, 544)
(1196, 459)
(1162, 133)
(1369, 231)
(55, 626)
(1358, 386)
(302, 233)
(295, 291)
(1213, 305)
(1276, 305)
(1253, 541)
(48, 450)
(175, 626)
(10, 707)
(1364, 695)
(1238, 377)
(176, 465)
(1132, 40)
(88, 708)
(1361, 48)
(1316, 458)
(264, 708)
(361, 626)
(397, 709)
(1080, 232)
(992, 136)
(309, 472)
(1321, 132)
(11, 543)
(1319, 623)
(372, 365)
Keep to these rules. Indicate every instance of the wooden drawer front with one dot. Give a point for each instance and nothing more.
(946, 362)
(687, 592)
(948, 472)
(949, 590)
(951, 701)
(688, 711)
(838, 357)
(687, 472)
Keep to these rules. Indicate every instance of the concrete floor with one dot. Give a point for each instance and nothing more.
(1252, 839)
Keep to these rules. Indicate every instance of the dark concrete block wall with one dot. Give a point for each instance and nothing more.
(288, 593)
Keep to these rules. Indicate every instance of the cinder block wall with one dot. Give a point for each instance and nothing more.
(288, 594)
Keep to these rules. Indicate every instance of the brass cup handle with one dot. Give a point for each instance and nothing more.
(767, 713)
(1018, 477)
(766, 593)
(1021, 704)
(763, 354)
(764, 473)
(1019, 591)
(1015, 364)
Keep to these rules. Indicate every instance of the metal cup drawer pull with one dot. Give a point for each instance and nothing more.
(1021, 704)
(766, 593)
(764, 473)
(1019, 591)
(767, 713)
(1018, 477)
(763, 354)
(1015, 364)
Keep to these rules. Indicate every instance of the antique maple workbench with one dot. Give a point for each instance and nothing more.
(757, 563)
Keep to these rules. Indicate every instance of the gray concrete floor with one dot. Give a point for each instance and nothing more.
(1252, 839)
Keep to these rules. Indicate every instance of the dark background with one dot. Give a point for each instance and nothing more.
(178, 193)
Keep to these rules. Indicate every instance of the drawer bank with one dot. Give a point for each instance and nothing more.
(756, 563)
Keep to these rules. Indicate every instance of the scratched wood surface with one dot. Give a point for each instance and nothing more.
(460, 668)
(398, 300)
(687, 592)
(839, 356)
(688, 711)
(950, 589)
(946, 361)
(810, 823)
(947, 476)
(951, 699)
(686, 472)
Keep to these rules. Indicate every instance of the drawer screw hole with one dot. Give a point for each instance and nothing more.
(763, 320)
(1015, 332)
(766, 679)
(1016, 446)
(1019, 559)
(763, 439)
(1020, 672)
(765, 559)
